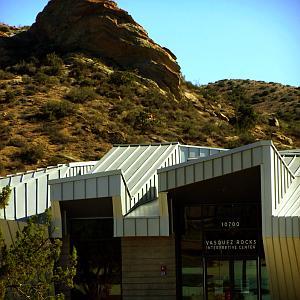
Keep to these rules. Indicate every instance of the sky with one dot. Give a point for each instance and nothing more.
(212, 39)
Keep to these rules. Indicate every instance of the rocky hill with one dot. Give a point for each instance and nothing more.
(98, 28)
(86, 76)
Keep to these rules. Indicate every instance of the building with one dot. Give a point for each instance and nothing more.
(170, 221)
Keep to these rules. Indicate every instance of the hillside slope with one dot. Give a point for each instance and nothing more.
(61, 105)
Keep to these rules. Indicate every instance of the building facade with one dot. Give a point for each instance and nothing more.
(173, 221)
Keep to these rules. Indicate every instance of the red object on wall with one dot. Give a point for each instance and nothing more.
(228, 295)
(163, 270)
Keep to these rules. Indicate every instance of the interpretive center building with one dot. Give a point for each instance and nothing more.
(171, 221)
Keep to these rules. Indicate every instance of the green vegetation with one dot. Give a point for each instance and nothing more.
(24, 67)
(81, 94)
(5, 75)
(56, 109)
(54, 65)
(4, 196)
(78, 106)
(245, 117)
(31, 153)
(30, 267)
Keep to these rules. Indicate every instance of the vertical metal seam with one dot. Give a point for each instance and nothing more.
(36, 196)
(47, 190)
(26, 204)
(15, 202)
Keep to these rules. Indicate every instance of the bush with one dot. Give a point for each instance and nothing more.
(245, 116)
(10, 96)
(55, 109)
(54, 65)
(144, 121)
(24, 67)
(5, 75)
(81, 94)
(4, 196)
(5, 132)
(31, 153)
(30, 89)
(17, 141)
(121, 77)
(43, 78)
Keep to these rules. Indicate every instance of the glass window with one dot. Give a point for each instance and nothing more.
(217, 244)
(192, 274)
(99, 260)
(231, 279)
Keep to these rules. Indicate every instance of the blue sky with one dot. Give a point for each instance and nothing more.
(212, 39)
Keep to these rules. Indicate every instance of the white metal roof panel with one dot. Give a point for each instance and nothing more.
(290, 205)
(292, 159)
(30, 192)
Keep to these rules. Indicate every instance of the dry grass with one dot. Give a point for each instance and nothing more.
(77, 107)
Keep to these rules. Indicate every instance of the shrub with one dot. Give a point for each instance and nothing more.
(144, 121)
(17, 141)
(264, 93)
(54, 64)
(4, 196)
(121, 77)
(5, 75)
(43, 78)
(5, 132)
(245, 116)
(10, 96)
(4, 28)
(30, 89)
(81, 94)
(26, 79)
(87, 82)
(24, 67)
(31, 153)
(55, 109)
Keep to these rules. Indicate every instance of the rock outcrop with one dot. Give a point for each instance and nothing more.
(100, 28)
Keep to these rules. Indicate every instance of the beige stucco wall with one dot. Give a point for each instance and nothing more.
(142, 258)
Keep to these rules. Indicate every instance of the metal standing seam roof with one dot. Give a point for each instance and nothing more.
(292, 159)
(290, 205)
(139, 165)
(30, 191)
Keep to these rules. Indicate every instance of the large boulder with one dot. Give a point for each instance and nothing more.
(100, 28)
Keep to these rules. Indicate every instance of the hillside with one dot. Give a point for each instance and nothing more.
(61, 104)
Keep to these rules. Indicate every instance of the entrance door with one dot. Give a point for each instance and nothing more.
(232, 279)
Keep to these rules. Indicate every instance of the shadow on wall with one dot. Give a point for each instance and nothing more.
(9, 228)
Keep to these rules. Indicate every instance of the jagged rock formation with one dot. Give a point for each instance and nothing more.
(100, 28)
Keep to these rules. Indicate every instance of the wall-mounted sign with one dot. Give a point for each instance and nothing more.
(247, 244)
(230, 224)
(231, 241)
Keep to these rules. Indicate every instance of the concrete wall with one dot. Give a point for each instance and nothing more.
(142, 258)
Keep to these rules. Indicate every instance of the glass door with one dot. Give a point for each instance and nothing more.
(231, 279)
